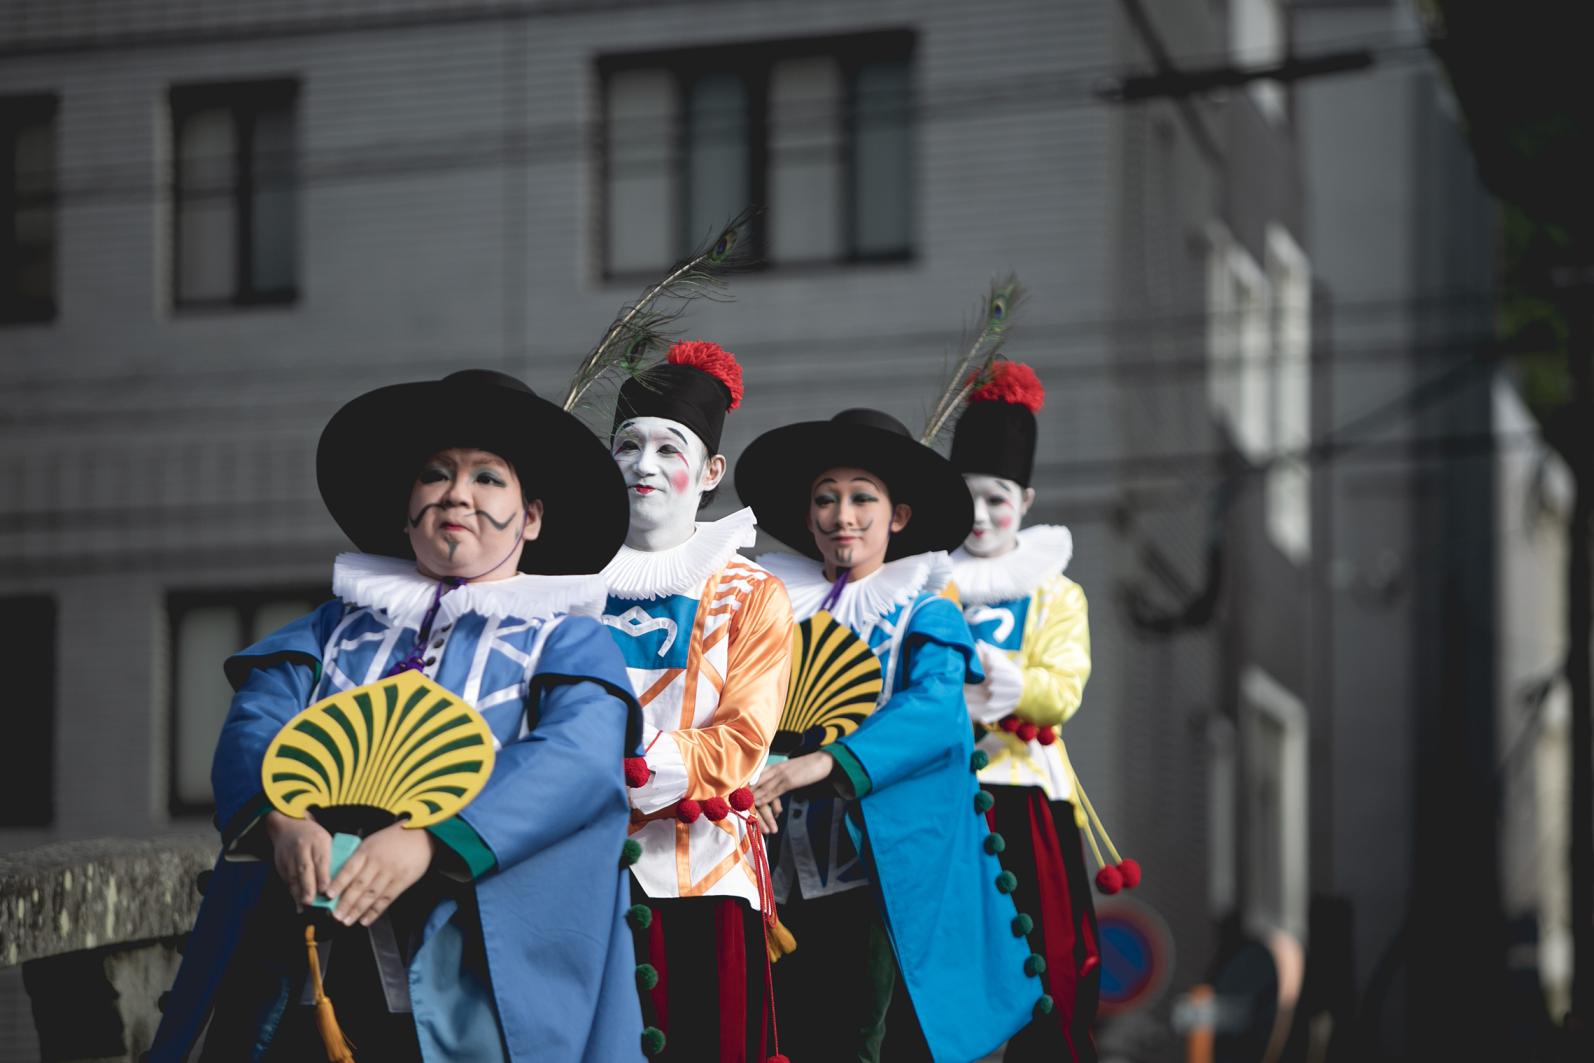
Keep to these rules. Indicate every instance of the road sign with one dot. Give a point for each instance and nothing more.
(1136, 954)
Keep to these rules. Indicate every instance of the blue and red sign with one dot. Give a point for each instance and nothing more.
(1136, 954)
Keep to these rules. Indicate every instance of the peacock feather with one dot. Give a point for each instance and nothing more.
(972, 368)
(642, 328)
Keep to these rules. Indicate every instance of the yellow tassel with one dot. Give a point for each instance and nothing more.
(339, 1050)
(778, 940)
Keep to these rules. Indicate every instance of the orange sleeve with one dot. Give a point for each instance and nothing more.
(723, 755)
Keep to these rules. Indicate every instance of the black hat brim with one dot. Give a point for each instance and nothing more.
(778, 468)
(372, 449)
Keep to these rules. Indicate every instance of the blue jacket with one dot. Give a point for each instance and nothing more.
(541, 842)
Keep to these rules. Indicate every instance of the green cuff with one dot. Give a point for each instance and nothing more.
(463, 842)
(851, 779)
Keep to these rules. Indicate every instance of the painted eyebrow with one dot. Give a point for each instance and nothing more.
(678, 435)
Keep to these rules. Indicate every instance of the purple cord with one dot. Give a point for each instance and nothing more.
(416, 658)
(834, 594)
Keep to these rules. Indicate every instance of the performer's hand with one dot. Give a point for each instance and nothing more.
(302, 852)
(385, 865)
(768, 816)
(792, 774)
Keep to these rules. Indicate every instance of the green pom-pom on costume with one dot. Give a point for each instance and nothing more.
(640, 916)
(1034, 964)
(1022, 924)
(1006, 882)
(1045, 1004)
(647, 975)
(995, 843)
(983, 801)
(652, 1041)
(979, 760)
(630, 852)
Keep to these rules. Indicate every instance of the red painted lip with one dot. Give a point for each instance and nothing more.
(643, 489)
(450, 526)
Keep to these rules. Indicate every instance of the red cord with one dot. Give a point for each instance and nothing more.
(766, 904)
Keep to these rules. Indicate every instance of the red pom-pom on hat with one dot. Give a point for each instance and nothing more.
(741, 799)
(1109, 880)
(1012, 382)
(716, 808)
(637, 772)
(688, 810)
(1129, 870)
(712, 359)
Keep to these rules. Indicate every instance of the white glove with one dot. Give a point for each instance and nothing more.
(1000, 693)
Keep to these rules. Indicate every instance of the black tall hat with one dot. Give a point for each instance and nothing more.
(777, 470)
(373, 447)
(995, 436)
(696, 385)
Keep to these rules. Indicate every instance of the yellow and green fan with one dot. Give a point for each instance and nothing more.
(401, 748)
(835, 683)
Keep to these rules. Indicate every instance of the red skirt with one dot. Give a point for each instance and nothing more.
(1046, 853)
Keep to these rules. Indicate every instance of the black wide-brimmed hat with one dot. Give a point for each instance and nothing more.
(777, 470)
(372, 449)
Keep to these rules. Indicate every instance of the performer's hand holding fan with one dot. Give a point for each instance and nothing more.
(835, 683)
(401, 749)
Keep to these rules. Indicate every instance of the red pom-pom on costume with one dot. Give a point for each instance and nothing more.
(1046, 735)
(716, 809)
(712, 359)
(1109, 880)
(1027, 732)
(778, 1058)
(741, 799)
(688, 810)
(1011, 723)
(1012, 382)
(1129, 870)
(637, 772)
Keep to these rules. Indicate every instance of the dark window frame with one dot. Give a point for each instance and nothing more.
(36, 611)
(247, 603)
(244, 100)
(17, 113)
(755, 61)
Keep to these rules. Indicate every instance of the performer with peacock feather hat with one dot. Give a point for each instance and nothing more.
(885, 868)
(468, 716)
(1031, 626)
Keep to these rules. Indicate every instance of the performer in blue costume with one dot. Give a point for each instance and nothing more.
(498, 934)
(886, 871)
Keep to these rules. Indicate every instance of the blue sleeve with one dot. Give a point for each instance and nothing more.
(562, 774)
(924, 723)
(273, 680)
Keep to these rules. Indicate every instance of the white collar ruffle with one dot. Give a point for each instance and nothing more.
(393, 587)
(683, 569)
(863, 601)
(1042, 552)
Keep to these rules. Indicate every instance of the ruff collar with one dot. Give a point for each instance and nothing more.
(1042, 552)
(863, 601)
(391, 586)
(683, 569)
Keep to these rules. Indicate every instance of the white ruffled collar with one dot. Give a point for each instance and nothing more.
(683, 569)
(865, 601)
(1042, 552)
(393, 587)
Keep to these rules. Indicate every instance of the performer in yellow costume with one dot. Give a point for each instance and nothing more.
(1030, 624)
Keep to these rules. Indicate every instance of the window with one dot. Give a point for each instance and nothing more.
(27, 786)
(234, 194)
(206, 629)
(1274, 724)
(818, 132)
(1259, 340)
(1256, 38)
(27, 207)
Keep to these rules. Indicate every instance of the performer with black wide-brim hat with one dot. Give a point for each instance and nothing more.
(885, 871)
(479, 506)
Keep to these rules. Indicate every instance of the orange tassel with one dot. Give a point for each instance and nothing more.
(778, 940)
(339, 1050)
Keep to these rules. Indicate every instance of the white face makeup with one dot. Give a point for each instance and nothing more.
(466, 516)
(999, 507)
(667, 469)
